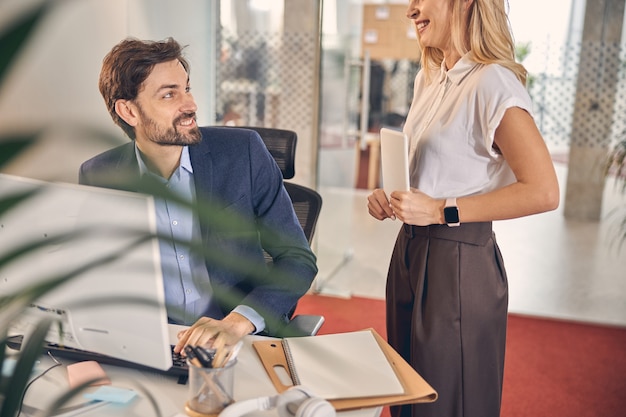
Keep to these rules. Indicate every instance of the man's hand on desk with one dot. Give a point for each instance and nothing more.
(221, 335)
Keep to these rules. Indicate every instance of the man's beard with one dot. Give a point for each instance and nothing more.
(171, 136)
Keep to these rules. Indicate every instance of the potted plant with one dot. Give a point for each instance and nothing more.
(615, 168)
(17, 368)
(13, 386)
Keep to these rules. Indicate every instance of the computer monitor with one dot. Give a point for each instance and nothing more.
(116, 306)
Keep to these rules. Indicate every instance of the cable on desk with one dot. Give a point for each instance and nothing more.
(56, 364)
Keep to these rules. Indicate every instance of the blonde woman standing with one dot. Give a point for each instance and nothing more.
(476, 156)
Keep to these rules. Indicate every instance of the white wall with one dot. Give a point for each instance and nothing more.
(54, 83)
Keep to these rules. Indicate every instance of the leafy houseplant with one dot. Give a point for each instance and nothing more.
(12, 305)
(522, 50)
(12, 388)
(616, 167)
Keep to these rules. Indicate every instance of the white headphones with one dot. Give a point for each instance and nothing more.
(297, 401)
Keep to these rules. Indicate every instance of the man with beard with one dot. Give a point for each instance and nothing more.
(145, 86)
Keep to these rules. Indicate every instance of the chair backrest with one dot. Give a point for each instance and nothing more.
(282, 145)
(307, 203)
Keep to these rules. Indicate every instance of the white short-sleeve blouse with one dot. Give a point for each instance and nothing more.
(451, 126)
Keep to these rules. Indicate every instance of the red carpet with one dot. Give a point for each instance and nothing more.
(553, 368)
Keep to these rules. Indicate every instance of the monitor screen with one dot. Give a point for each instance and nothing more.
(114, 305)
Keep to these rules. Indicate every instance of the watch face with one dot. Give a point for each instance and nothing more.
(451, 214)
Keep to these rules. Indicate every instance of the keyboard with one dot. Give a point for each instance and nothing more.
(179, 364)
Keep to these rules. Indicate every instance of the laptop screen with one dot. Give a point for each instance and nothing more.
(114, 305)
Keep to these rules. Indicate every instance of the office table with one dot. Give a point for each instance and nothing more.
(251, 381)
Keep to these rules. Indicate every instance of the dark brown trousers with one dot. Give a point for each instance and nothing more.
(447, 298)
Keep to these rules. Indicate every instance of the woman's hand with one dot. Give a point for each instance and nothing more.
(416, 208)
(411, 207)
(378, 205)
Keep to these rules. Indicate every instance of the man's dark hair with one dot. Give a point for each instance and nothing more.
(127, 66)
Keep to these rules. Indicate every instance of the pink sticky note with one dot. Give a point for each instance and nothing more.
(82, 372)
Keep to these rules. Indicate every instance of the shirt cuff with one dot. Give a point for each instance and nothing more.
(255, 318)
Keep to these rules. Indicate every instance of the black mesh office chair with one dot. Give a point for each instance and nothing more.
(282, 145)
(307, 204)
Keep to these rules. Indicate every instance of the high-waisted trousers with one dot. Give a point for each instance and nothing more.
(447, 299)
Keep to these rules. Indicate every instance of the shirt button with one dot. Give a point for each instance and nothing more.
(181, 257)
(188, 291)
(175, 222)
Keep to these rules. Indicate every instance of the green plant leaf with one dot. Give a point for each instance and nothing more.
(3, 355)
(7, 203)
(12, 146)
(29, 355)
(615, 166)
(13, 39)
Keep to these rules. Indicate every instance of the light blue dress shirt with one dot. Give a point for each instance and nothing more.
(186, 281)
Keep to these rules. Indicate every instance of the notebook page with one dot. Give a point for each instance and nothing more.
(343, 365)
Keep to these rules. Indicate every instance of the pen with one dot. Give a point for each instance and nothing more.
(192, 357)
(204, 356)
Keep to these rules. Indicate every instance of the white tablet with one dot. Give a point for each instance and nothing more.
(394, 157)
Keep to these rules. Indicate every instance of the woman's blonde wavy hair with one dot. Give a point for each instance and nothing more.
(485, 34)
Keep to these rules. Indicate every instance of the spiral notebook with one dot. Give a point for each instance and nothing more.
(326, 364)
(351, 370)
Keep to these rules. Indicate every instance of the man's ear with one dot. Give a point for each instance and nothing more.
(127, 111)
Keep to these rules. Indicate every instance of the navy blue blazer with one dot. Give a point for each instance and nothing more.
(234, 174)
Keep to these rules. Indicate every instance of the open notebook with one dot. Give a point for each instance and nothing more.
(325, 364)
(351, 370)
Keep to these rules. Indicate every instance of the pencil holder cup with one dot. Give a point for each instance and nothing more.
(210, 389)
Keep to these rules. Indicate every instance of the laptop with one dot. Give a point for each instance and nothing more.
(113, 310)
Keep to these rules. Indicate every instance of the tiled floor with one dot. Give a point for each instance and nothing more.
(556, 267)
